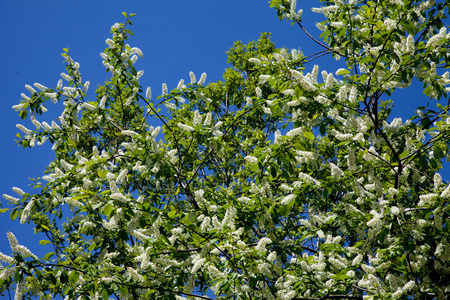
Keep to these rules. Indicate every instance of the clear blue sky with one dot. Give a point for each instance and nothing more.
(175, 36)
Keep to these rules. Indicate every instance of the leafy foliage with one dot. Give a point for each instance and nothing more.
(271, 184)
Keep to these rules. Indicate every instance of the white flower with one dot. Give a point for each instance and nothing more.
(357, 260)
(198, 263)
(128, 133)
(336, 172)
(368, 269)
(89, 106)
(11, 198)
(244, 200)
(164, 89)
(40, 86)
(185, 127)
(202, 79)
(7, 259)
(267, 110)
(359, 137)
(376, 219)
(66, 77)
(337, 24)
(25, 97)
(148, 93)
(251, 159)
(294, 132)
(426, 199)
(122, 176)
(446, 192)
(206, 223)
(133, 274)
(192, 76)
(156, 131)
(139, 74)
(26, 211)
(208, 119)
(137, 51)
(18, 106)
(30, 89)
(261, 246)
(23, 129)
(353, 96)
(66, 165)
(197, 118)
(395, 210)
(288, 199)
(258, 92)
(255, 60)
(18, 191)
(134, 59)
(12, 240)
(390, 24)
(263, 78)
(181, 85)
(110, 43)
(289, 92)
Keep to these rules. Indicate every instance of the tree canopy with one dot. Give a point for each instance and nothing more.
(271, 184)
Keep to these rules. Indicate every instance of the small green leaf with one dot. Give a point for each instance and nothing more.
(404, 154)
(309, 135)
(105, 294)
(49, 255)
(44, 242)
(45, 227)
(124, 14)
(323, 130)
(273, 171)
(92, 246)
(107, 210)
(172, 214)
(73, 277)
(343, 72)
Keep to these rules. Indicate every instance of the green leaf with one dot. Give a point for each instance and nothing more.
(441, 107)
(404, 154)
(92, 246)
(323, 129)
(73, 276)
(273, 171)
(44, 242)
(172, 214)
(172, 297)
(23, 114)
(107, 210)
(438, 152)
(343, 72)
(308, 135)
(124, 14)
(49, 255)
(13, 214)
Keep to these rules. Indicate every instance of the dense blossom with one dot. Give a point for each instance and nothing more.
(273, 184)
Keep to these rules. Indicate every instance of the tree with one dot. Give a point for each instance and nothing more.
(270, 184)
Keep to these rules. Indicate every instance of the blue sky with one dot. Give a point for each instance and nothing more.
(175, 36)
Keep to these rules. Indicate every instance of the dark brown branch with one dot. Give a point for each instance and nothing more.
(321, 44)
